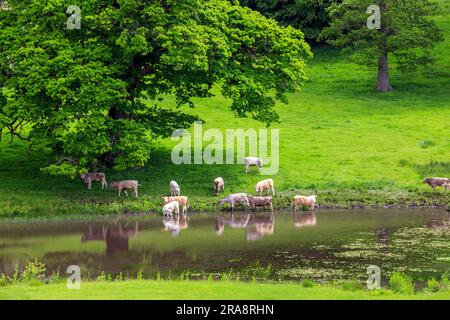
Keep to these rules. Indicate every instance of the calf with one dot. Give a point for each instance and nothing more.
(171, 208)
(126, 185)
(182, 201)
(260, 202)
(253, 161)
(232, 199)
(219, 185)
(265, 185)
(438, 182)
(174, 188)
(300, 201)
(88, 178)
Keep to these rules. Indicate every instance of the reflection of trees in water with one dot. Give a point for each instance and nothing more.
(116, 237)
(256, 226)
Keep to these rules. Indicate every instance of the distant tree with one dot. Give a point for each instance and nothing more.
(94, 94)
(406, 33)
(310, 16)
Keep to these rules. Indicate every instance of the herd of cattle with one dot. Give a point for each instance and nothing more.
(176, 201)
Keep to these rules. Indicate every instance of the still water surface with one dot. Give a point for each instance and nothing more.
(321, 245)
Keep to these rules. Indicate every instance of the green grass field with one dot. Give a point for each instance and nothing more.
(338, 139)
(202, 290)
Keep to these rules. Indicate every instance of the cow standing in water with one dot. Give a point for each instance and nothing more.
(302, 201)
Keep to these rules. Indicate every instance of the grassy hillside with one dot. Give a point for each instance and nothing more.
(338, 138)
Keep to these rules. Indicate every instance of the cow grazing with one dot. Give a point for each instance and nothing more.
(438, 182)
(219, 185)
(171, 208)
(232, 199)
(253, 161)
(174, 189)
(126, 185)
(182, 201)
(265, 185)
(260, 202)
(302, 201)
(88, 178)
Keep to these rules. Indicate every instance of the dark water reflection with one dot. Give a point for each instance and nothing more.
(322, 245)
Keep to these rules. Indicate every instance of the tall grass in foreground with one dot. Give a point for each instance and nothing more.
(34, 275)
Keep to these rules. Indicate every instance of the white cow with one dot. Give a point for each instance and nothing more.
(232, 199)
(174, 189)
(171, 208)
(253, 161)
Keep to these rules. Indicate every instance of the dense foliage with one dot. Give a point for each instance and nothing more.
(80, 93)
(310, 16)
(407, 33)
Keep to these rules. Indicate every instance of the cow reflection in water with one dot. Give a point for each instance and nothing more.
(175, 223)
(304, 219)
(439, 225)
(116, 237)
(256, 227)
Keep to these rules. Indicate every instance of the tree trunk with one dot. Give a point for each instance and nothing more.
(383, 84)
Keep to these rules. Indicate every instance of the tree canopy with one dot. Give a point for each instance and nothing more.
(310, 16)
(407, 33)
(95, 94)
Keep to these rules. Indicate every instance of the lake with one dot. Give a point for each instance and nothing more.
(325, 245)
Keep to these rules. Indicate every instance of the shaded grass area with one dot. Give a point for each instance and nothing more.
(203, 290)
(338, 139)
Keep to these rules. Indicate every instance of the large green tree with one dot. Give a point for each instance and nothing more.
(94, 94)
(406, 32)
(310, 16)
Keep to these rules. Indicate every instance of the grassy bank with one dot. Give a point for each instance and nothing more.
(202, 290)
(338, 139)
